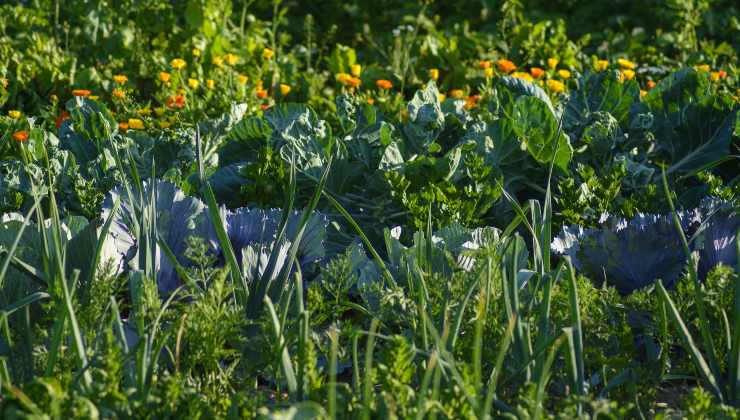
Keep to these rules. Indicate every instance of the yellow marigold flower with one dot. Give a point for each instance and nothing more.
(94, 97)
(342, 78)
(602, 65)
(626, 64)
(457, 93)
(164, 76)
(178, 63)
(231, 59)
(715, 76)
(118, 93)
(505, 66)
(120, 79)
(164, 124)
(441, 97)
(564, 74)
(14, 114)
(643, 93)
(434, 74)
(556, 86)
(159, 111)
(267, 53)
(703, 68)
(522, 75)
(210, 83)
(193, 83)
(552, 63)
(628, 74)
(484, 64)
(4, 82)
(356, 69)
(196, 52)
(242, 79)
(284, 89)
(217, 61)
(135, 124)
(488, 73)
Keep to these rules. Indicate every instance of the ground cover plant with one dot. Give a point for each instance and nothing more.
(276, 209)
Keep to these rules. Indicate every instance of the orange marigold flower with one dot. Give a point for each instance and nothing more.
(177, 101)
(123, 126)
(536, 72)
(505, 66)
(265, 107)
(118, 93)
(383, 84)
(261, 93)
(353, 82)
(164, 77)
(20, 136)
(650, 84)
(64, 115)
(484, 64)
(370, 101)
(81, 92)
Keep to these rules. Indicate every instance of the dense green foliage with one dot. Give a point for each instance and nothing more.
(344, 209)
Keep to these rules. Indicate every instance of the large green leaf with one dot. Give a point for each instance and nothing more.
(300, 136)
(426, 120)
(519, 87)
(599, 92)
(537, 129)
(693, 127)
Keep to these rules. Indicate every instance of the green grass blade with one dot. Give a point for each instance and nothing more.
(576, 335)
(285, 361)
(11, 251)
(699, 361)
